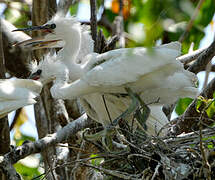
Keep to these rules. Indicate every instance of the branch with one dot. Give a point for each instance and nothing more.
(51, 140)
(187, 58)
(204, 58)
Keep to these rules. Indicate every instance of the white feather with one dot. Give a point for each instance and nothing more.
(16, 93)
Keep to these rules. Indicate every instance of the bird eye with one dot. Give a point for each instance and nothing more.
(39, 71)
(53, 26)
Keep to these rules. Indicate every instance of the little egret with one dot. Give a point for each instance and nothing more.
(152, 73)
(16, 93)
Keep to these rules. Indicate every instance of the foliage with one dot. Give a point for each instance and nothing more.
(182, 105)
(206, 105)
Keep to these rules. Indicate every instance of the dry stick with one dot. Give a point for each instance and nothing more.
(18, 112)
(202, 149)
(190, 24)
(207, 72)
(110, 172)
(77, 164)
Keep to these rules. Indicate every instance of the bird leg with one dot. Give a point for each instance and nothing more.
(107, 133)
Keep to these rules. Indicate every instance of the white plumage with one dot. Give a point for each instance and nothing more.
(152, 73)
(16, 93)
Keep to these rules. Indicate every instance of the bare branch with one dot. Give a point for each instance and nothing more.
(187, 58)
(202, 61)
(50, 140)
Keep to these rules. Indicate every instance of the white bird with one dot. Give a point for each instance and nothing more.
(152, 73)
(17, 93)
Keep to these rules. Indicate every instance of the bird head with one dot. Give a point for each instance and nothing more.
(49, 69)
(57, 32)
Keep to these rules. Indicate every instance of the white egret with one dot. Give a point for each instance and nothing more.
(151, 73)
(16, 93)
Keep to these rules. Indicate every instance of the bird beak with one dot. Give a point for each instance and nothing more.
(45, 28)
(39, 42)
(34, 76)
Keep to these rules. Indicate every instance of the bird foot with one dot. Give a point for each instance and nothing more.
(106, 135)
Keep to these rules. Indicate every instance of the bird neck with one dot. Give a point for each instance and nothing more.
(72, 38)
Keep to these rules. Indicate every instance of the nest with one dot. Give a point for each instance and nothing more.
(138, 156)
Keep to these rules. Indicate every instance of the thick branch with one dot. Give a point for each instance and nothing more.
(202, 61)
(51, 140)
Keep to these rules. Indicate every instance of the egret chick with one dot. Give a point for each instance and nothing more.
(152, 73)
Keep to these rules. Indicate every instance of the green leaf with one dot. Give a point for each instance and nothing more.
(96, 161)
(73, 9)
(182, 105)
(26, 172)
(198, 104)
(211, 109)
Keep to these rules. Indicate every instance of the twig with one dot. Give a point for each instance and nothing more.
(207, 72)
(156, 171)
(18, 111)
(206, 165)
(78, 158)
(190, 24)
(111, 172)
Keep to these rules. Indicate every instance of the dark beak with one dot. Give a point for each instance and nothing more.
(39, 42)
(35, 28)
